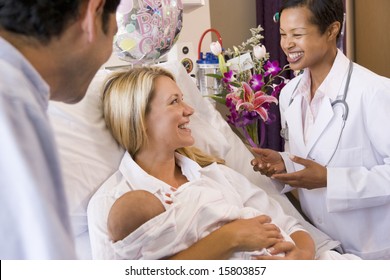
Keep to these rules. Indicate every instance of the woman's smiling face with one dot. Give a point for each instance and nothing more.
(168, 117)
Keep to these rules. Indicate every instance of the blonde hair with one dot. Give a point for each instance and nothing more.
(126, 99)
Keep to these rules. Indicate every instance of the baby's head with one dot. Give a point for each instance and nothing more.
(130, 211)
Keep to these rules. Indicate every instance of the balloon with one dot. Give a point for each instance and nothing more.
(147, 29)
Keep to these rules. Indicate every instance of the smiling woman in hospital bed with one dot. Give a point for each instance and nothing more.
(146, 113)
(89, 155)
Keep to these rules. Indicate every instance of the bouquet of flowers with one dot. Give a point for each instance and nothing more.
(248, 84)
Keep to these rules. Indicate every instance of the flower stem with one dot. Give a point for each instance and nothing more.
(248, 138)
(251, 134)
(262, 134)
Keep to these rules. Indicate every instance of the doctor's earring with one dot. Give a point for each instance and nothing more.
(276, 17)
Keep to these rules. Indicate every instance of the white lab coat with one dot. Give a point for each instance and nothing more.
(354, 208)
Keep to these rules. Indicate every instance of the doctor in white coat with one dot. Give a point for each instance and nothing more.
(335, 124)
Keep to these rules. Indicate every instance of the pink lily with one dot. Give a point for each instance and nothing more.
(255, 101)
(234, 97)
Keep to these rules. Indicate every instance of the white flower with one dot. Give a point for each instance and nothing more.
(259, 51)
(216, 48)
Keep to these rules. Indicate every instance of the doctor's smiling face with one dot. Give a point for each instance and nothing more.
(303, 42)
(168, 116)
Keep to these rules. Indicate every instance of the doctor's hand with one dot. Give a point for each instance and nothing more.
(267, 162)
(313, 176)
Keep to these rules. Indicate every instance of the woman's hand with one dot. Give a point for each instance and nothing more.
(268, 162)
(168, 196)
(303, 249)
(252, 234)
(240, 235)
(291, 252)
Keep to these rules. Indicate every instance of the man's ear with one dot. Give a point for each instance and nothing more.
(92, 14)
(334, 29)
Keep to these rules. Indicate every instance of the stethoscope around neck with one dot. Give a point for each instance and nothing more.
(340, 101)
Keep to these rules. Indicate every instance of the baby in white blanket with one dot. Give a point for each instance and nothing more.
(143, 227)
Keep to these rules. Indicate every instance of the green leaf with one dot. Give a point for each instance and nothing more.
(219, 99)
(235, 84)
(217, 76)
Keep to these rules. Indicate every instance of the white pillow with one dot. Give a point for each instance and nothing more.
(88, 152)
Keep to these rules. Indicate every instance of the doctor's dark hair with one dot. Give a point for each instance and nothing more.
(325, 12)
(126, 102)
(46, 19)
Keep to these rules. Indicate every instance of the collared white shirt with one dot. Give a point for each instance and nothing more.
(34, 216)
(311, 106)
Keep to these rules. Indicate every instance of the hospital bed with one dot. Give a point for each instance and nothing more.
(89, 154)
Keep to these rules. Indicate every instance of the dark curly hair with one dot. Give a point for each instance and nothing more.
(44, 19)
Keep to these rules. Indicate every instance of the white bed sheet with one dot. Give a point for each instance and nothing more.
(89, 154)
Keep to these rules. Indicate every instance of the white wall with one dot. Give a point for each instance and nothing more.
(196, 21)
(233, 19)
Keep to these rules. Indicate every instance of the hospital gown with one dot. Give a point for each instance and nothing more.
(198, 208)
(224, 182)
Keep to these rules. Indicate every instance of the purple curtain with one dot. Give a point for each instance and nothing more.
(265, 10)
